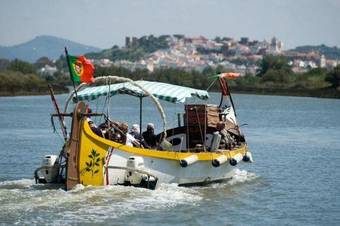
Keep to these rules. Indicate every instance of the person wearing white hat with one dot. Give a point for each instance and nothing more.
(129, 139)
(135, 131)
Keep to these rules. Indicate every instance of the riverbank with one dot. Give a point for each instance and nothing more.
(319, 93)
(42, 89)
(18, 83)
(33, 93)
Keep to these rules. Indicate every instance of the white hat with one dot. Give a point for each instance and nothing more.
(135, 127)
(150, 125)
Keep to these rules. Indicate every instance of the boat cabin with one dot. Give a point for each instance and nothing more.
(205, 128)
(202, 127)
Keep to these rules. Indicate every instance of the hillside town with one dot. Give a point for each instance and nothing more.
(265, 66)
(198, 53)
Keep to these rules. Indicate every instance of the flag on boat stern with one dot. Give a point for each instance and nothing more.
(229, 75)
(82, 69)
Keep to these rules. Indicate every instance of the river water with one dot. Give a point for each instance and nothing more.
(295, 179)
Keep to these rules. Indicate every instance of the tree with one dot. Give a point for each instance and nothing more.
(217, 39)
(4, 64)
(273, 63)
(333, 77)
(42, 61)
(61, 63)
(22, 66)
(276, 76)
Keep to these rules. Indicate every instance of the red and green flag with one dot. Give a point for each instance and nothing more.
(81, 69)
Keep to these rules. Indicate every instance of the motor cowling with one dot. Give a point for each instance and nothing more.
(136, 174)
(49, 169)
(134, 162)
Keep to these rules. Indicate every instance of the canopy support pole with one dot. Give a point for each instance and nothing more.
(231, 99)
(140, 113)
(225, 91)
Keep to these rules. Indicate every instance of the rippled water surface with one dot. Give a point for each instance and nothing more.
(295, 179)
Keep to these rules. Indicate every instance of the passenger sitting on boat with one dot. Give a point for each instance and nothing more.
(105, 128)
(227, 141)
(115, 133)
(115, 136)
(110, 130)
(129, 139)
(149, 136)
(135, 132)
(94, 128)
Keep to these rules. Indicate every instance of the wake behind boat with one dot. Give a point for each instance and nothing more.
(206, 146)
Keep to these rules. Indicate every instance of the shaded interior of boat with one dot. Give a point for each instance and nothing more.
(202, 128)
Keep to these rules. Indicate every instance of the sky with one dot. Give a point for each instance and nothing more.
(104, 23)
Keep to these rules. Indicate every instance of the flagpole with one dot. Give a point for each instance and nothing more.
(61, 118)
(70, 71)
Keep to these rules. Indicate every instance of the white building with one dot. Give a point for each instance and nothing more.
(47, 70)
(322, 61)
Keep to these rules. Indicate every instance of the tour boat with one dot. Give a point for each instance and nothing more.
(205, 147)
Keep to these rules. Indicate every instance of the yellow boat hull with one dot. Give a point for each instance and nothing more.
(93, 160)
(96, 154)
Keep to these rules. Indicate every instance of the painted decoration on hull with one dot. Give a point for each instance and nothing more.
(93, 164)
(92, 156)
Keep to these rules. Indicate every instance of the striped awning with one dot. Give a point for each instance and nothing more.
(163, 91)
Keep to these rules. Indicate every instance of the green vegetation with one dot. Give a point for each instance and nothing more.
(137, 49)
(172, 76)
(276, 64)
(333, 77)
(274, 77)
(20, 78)
(329, 52)
(16, 83)
(21, 66)
(42, 61)
(274, 72)
(4, 64)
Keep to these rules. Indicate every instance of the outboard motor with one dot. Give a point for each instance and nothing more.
(136, 175)
(48, 171)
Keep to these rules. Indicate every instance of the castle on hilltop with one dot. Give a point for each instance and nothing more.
(198, 53)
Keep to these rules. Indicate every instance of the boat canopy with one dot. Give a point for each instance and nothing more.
(163, 91)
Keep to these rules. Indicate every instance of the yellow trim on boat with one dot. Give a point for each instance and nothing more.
(170, 155)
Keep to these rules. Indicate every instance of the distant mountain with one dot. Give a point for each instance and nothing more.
(329, 52)
(49, 46)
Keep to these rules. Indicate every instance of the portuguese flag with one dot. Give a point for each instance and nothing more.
(81, 69)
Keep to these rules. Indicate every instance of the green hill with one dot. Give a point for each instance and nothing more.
(329, 52)
(137, 50)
